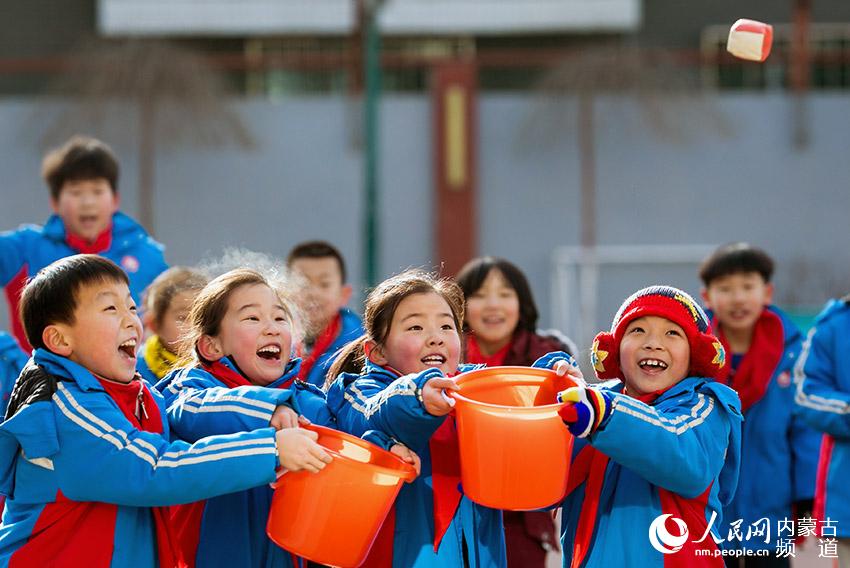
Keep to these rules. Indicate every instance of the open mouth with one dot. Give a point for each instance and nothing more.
(128, 348)
(269, 353)
(652, 364)
(493, 320)
(433, 360)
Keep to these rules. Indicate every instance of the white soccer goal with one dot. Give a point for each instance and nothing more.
(584, 279)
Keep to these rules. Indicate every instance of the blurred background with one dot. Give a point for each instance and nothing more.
(601, 145)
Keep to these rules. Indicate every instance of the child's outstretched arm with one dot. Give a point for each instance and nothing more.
(13, 246)
(681, 450)
(94, 454)
(398, 408)
(821, 400)
(197, 406)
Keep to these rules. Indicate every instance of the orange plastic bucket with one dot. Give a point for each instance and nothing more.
(332, 517)
(514, 448)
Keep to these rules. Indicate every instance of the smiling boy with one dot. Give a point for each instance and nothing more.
(83, 179)
(763, 344)
(85, 458)
(329, 324)
(662, 439)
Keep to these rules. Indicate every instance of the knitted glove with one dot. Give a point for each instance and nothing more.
(548, 361)
(586, 410)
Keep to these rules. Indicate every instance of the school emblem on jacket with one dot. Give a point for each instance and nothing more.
(130, 264)
(784, 379)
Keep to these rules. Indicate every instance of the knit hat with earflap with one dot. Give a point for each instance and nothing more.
(708, 357)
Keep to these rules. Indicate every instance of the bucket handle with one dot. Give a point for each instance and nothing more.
(406, 474)
(450, 400)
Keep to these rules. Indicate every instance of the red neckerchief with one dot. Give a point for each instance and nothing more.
(647, 398)
(81, 245)
(476, 357)
(760, 361)
(445, 475)
(323, 341)
(139, 407)
(225, 374)
(233, 379)
(445, 480)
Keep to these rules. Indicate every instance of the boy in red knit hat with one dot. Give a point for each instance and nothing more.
(657, 447)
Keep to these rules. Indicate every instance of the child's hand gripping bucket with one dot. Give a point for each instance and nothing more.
(332, 517)
(514, 448)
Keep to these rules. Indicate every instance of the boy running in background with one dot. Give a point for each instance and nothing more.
(83, 179)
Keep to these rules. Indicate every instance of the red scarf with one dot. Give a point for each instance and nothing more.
(445, 476)
(323, 341)
(81, 245)
(139, 407)
(476, 357)
(233, 379)
(753, 375)
(445, 479)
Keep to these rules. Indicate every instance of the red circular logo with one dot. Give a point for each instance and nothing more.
(130, 264)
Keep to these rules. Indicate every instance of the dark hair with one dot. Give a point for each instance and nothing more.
(80, 158)
(472, 276)
(735, 258)
(161, 292)
(317, 249)
(51, 296)
(380, 307)
(210, 307)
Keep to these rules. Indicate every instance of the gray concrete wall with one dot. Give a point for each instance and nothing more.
(303, 178)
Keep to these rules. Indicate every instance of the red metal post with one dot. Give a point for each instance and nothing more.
(454, 94)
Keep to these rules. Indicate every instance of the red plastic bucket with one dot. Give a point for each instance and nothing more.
(332, 517)
(514, 448)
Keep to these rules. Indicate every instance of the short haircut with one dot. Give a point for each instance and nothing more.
(472, 275)
(80, 158)
(736, 258)
(317, 249)
(161, 292)
(52, 295)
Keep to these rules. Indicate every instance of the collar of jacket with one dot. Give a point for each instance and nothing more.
(123, 229)
(64, 367)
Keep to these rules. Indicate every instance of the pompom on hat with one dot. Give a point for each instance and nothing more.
(708, 358)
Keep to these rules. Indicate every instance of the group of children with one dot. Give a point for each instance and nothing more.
(118, 450)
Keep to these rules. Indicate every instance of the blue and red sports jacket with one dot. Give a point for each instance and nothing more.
(350, 328)
(822, 377)
(776, 444)
(12, 361)
(25, 251)
(81, 480)
(231, 530)
(676, 456)
(381, 400)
